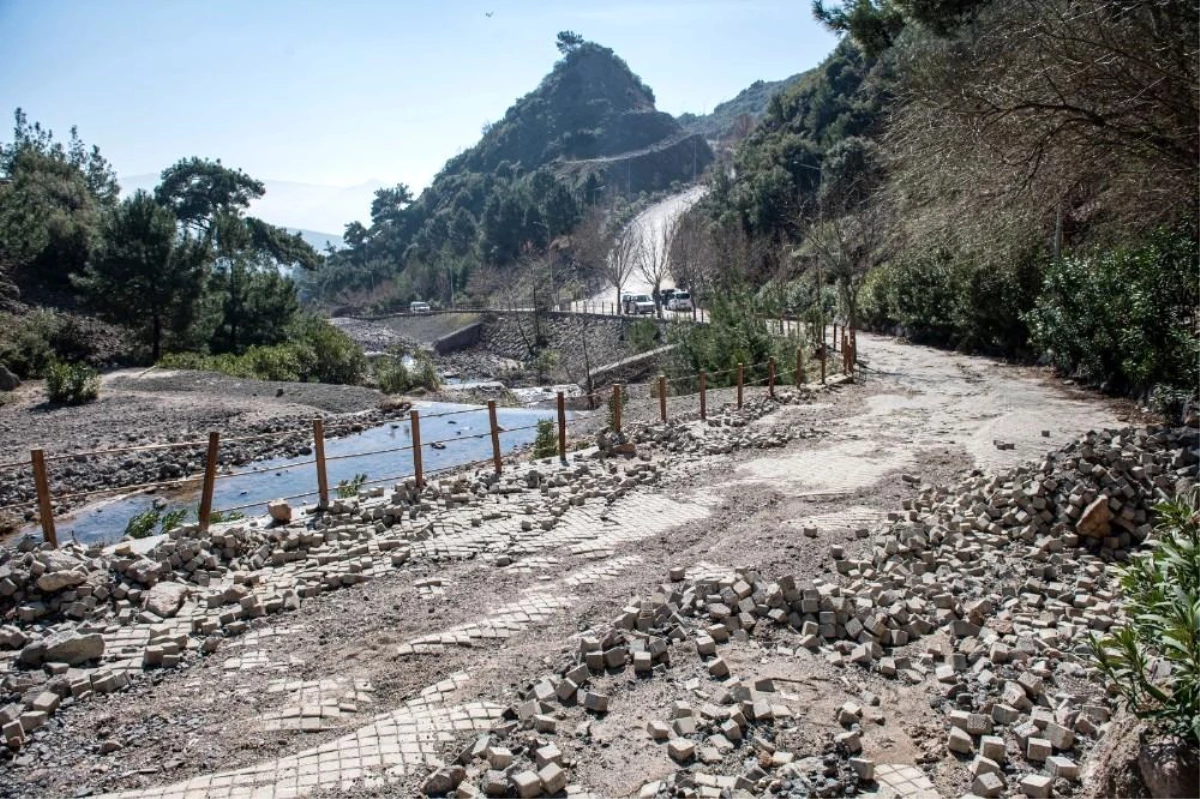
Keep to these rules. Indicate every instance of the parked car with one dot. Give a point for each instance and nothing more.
(419, 307)
(680, 301)
(637, 304)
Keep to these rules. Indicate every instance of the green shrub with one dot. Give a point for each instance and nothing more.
(71, 383)
(1125, 317)
(544, 363)
(1162, 600)
(545, 444)
(336, 358)
(350, 488)
(144, 524)
(391, 374)
(317, 352)
(643, 335)
(394, 376)
(25, 342)
(736, 333)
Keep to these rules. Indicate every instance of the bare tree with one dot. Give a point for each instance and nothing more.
(654, 257)
(847, 248)
(692, 256)
(622, 258)
(1049, 113)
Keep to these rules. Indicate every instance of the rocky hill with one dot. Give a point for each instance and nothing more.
(588, 131)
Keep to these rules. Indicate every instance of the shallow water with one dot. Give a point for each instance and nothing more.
(106, 522)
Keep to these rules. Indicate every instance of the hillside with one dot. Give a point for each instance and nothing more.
(589, 134)
(734, 118)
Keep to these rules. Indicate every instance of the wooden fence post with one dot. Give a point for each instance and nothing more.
(616, 408)
(799, 366)
(418, 471)
(45, 507)
(662, 398)
(210, 479)
(496, 460)
(562, 426)
(771, 377)
(703, 395)
(823, 353)
(322, 475)
(835, 346)
(741, 381)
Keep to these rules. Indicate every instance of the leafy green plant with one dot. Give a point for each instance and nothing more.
(394, 376)
(71, 383)
(172, 519)
(1126, 316)
(317, 352)
(736, 333)
(544, 363)
(545, 443)
(145, 523)
(217, 517)
(1162, 600)
(643, 335)
(349, 488)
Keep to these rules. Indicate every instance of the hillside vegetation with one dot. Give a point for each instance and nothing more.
(1012, 178)
(734, 118)
(86, 276)
(587, 136)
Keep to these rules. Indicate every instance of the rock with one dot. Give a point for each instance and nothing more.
(72, 648)
(443, 781)
(1169, 768)
(1037, 786)
(57, 581)
(8, 381)
(1095, 519)
(280, 511)
(988, 784)
(681, 749)
(165, 599)
(960, 742)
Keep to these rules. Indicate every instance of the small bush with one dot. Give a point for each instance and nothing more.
(143, 525)
(71, 383)
(643, 335)
(394, 376)
(545, 444)
(317, 352)
(1125, 317)
(544, 363)
(349, 488)
(1162, 600)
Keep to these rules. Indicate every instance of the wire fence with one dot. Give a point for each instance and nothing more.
(678, 397)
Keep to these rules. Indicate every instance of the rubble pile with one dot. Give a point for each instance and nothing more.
(1006, 576)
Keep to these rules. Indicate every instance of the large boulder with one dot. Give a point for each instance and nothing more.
(8, 381)
(165, 599)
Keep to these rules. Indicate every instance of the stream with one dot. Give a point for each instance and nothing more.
(105, 522)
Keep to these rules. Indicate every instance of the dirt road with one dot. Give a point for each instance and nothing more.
(412, 664)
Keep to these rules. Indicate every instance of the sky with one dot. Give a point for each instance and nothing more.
(326, 101)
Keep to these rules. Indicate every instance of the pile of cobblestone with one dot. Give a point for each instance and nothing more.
(1006, 576)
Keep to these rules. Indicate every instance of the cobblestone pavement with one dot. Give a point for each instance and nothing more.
(919, 398)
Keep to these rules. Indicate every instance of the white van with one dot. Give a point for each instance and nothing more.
(419, 307)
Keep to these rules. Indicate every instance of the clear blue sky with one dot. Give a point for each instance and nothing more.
(344, 92)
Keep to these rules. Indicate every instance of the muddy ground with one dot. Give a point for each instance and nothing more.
(916, 417)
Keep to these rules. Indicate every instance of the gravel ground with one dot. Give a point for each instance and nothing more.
(155, 406)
